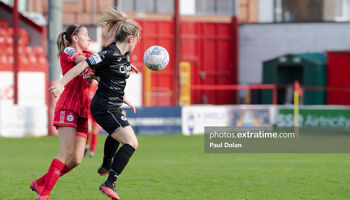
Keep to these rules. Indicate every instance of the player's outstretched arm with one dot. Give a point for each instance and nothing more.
(57, 89)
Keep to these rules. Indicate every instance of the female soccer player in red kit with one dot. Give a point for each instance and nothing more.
(113, 67)
(71, 112)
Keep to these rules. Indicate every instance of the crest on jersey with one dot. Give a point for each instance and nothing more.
(123, 118)
(95, 59)
(70, 117)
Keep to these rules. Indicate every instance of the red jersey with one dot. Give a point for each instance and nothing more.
(91, 92)
(75, 96)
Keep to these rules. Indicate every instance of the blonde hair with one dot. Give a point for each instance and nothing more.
(117, 23)
(65, 38)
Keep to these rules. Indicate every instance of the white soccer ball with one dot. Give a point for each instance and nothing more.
(156, 58)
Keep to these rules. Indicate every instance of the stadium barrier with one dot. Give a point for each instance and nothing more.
(155, 120)
(314, 116)
(29, 117)
(195, 118)
(21, 120)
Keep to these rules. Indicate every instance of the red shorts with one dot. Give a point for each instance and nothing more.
(71, 119)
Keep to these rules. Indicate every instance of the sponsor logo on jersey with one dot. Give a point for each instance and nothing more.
(70, 117)
(95, 59)
(69, 50)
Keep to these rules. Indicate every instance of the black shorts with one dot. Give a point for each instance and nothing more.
(111, 121)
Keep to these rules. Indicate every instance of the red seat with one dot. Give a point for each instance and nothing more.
(8, 40)
(23, 61)
(32, 59)
(42, 60)
(3, 59)
(2, 32)
(9, 31)
(10, 59)
(2, 40)
(38, 51)
(29, 50)
(28, 56)
(9, 49)
(4, 64)
(3, 23)
(23, 37)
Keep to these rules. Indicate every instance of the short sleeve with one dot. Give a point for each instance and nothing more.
(71, 54)
(99, 59)
(87, 54)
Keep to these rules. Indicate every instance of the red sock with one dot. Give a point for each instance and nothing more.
(94, 138)
(41, 180)
(65, 170)
(52, 176)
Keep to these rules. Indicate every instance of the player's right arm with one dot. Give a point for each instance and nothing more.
(57, 89)
(95, 61)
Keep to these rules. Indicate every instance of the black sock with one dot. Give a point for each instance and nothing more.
(111, 146)
(120, 160)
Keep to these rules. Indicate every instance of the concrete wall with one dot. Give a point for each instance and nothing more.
(265, 11)
(261, 42)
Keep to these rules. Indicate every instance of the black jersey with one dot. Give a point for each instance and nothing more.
(113, 68)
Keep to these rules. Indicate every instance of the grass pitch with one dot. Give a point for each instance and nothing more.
(176, 167)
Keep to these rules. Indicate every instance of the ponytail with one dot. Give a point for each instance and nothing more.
(117, 23)
(61, 43)
(65, 38)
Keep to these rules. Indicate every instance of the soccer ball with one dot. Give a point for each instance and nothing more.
(156, 58)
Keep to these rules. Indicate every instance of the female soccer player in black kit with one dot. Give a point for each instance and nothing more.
(113, 67)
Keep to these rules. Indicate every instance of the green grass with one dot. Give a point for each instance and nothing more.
(176, 167)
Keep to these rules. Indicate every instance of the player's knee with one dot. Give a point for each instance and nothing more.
(74, 162)
(134, 144)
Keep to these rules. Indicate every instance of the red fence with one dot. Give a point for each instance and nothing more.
(210, 47)
(338, 70)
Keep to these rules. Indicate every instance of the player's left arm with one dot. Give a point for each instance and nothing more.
(127, 102)
(57, 89)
